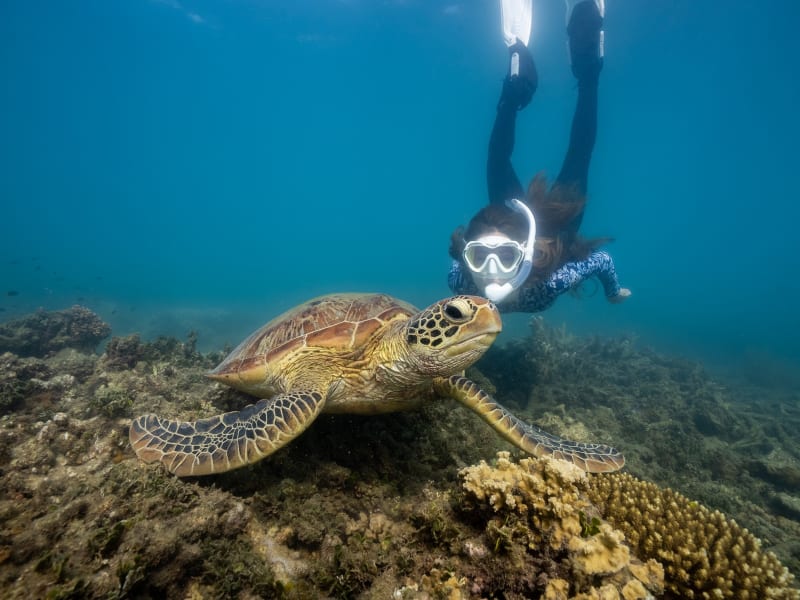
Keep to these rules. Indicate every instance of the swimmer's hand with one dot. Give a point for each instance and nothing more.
(624, 294)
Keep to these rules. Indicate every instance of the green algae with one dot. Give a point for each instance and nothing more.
(589, 525)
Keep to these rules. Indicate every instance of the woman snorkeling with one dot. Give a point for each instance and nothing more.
(523, 250)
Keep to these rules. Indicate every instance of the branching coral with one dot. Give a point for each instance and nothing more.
(705, 555)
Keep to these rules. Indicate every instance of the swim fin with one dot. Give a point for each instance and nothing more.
(517, 16)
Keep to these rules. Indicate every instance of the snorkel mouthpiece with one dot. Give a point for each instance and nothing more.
(498, 292)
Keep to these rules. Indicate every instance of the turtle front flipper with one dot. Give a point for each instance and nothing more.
(227, 441)
(594, 458)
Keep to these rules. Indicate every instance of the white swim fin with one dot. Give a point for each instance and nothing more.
(517, 17)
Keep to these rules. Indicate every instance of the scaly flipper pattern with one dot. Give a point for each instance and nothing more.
(227, 441)
(594, 458)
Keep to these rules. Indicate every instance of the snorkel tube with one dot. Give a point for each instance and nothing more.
(498, 292)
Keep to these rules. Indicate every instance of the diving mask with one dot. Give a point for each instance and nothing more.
(494, 259)
(493, 254)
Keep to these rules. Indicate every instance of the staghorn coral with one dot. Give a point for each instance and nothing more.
(705, 555)
(539, 503)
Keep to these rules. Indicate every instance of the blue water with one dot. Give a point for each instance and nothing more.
(175, 164)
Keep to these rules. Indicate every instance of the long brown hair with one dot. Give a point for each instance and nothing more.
(557, 212)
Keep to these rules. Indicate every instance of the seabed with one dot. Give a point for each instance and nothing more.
(425, 504)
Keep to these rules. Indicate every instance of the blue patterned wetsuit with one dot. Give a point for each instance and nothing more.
(542, 294)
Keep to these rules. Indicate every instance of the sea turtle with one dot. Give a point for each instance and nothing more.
(348, 353)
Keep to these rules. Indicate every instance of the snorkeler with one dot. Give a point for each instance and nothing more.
(523, 250)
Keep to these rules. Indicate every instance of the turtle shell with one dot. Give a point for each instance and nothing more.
(339, 322)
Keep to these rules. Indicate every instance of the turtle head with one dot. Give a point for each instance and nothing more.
(449, 336)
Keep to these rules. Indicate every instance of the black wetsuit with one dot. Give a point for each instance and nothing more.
(502, 181)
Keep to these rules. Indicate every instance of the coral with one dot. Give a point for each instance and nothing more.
(13, 387)
(123, 352)
(717, 439)
(540, 503)
(603, 552)
(442, 585)
(31, 383)
(179, 353)
(45, 332)
(705, 555)
(544, 492)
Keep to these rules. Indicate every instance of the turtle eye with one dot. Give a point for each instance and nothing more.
(457, 311)
(453, 312)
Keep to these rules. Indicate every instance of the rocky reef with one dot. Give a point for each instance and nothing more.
(45, 332)
(397, 506)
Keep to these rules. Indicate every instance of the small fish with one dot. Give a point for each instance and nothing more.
(2, 309)
(12, 293)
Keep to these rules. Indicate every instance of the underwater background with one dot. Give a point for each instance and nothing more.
(175, 173)
(178, 165)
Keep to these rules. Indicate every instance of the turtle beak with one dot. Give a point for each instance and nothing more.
(486, 321)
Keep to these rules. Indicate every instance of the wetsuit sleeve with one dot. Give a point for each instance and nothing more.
(459, 281)
(599, 264)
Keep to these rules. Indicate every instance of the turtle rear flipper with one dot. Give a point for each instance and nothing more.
(227, 441)
(594, 458)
